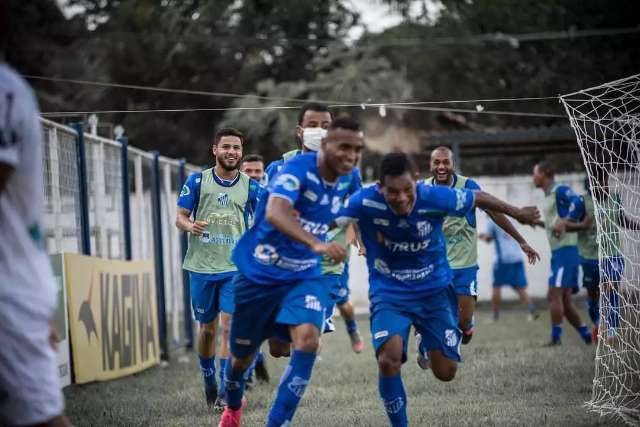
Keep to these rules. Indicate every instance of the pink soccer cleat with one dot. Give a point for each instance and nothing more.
(231, 417)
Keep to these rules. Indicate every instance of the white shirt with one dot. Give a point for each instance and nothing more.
(24, 265)
(507, 249)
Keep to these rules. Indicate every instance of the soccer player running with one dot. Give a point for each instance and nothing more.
(313, 121)
(253, 166)
(582, 221)
(215, 207)
(461, 235)
(559, 201)
(508, 269)
(401, 221)
(280, 290)
(30, 390)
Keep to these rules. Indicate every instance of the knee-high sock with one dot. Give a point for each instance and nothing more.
(234, 386)
(394, 399)
(292, 386)
(208, 369)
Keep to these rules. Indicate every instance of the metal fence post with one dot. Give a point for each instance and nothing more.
(188, 323)
(81, 161)
(126, 209)
(159, 260)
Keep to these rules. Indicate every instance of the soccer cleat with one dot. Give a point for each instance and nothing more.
(211, 394)
(356, 341)
(231, 417)
(533, 316)
(467, 335)
(262, 374)
(219, 404)
(553, 343)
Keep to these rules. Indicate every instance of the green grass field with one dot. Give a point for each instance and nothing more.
(507, 378)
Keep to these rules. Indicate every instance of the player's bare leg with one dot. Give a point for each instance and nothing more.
(574, 318)
(279, 348)
(496, 302)
(348, 314)
(443, 368)
(556, 310)
(466, 308)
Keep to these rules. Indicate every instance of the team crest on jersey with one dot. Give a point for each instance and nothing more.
(325, 200)
(265, 254)
(185, 191)
(393, 406)
(450, 337)
(424, 228)
(288, 182)
(297, 386)
(223, 199)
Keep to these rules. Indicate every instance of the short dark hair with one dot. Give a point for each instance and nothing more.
(313, 106)
(252, 158)
(546, 168)
(227, 132)
(396, 164)
(345, 123)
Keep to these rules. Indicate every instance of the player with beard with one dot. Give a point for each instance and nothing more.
(461, 235)
(400, 221)
(215, 207)
(280, 290)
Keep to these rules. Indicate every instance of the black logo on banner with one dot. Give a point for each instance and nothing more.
(127, 319)
(86, 315)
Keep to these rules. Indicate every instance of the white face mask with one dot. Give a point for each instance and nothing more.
(311, 138)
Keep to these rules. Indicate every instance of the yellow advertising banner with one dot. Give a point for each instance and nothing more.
(112, 317)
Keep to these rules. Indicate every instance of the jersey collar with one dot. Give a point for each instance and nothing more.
(225, 182)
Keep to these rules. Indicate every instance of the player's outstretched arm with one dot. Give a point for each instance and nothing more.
(503, 222)
(281, 214)
(528, 215)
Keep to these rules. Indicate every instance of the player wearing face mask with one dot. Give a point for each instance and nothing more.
(313, 121)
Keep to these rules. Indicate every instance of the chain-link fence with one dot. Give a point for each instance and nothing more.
(116, 231)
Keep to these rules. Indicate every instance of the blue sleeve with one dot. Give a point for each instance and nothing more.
(356, 181)
(190, 193)
(471, 185)
(577, 209)
(255, 193)
(455, 202)
(351, 211)
(288, 182)
(566, 201)
(272, 169)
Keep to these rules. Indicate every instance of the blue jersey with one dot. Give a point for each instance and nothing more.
(263, 254)
(406, 255)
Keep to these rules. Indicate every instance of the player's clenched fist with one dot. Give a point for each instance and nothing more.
(528, 215)
(198, 227)
(333, 251)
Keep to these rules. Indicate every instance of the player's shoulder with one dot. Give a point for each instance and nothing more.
(371, 198)
(471, 184)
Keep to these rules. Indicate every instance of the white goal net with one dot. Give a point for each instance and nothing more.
(606, 120)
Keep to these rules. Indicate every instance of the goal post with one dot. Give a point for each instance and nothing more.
(606, 121)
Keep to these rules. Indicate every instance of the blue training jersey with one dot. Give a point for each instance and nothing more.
(263, 254)
(406, 255)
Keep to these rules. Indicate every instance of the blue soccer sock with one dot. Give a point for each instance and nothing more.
(531, 307)
(394, 399)
(249, 372)
(208, 369)
(223, 367)
(260, 357)
(614, 310)
(556, 333)
(352, 325)
(584, 332)
(594, 310)
(293, 383)
(234, 387)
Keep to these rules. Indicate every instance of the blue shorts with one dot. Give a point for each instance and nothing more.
(509, 274)
(340, 287)
(613, 268)
(590, 274)
(465, 281)
(434, 316)
(564, 267)
(209, 297)
(265, 311)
